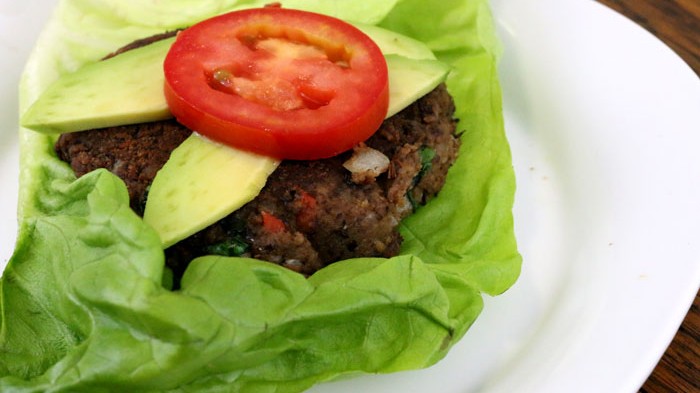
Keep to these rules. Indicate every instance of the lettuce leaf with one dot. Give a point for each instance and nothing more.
(82, 304)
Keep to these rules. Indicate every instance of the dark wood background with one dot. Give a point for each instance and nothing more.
(677, 23)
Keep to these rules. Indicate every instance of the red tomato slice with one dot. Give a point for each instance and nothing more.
(280, 82)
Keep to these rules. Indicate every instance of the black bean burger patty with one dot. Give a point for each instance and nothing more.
(320, 211)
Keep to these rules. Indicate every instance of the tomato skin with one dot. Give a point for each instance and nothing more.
(337, 99)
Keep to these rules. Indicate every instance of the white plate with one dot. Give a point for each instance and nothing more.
(603, 124)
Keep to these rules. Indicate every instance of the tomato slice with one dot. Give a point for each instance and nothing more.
(280, 82)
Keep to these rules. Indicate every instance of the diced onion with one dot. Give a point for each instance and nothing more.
(366, 164)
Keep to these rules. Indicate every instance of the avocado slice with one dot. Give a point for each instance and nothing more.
(392, 43)
(124, 89)
(411, 79)
(202, 182)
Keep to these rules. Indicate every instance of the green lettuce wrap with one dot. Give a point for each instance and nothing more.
(83, 307)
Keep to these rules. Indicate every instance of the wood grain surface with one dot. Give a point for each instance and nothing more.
(677, 23)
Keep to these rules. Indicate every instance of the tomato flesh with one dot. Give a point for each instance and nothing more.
(280, 82)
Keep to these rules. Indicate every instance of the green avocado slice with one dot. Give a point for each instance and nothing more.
(411, 79)
(125, 89)
(202, 182)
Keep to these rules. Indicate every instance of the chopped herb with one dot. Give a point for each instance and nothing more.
(426, 160)
(233, 247)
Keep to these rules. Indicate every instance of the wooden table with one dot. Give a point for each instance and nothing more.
(677, 23)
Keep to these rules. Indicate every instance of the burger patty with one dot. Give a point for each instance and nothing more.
(310, 213)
